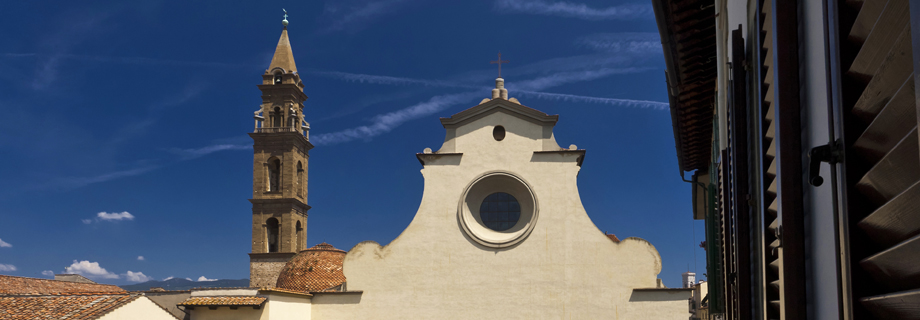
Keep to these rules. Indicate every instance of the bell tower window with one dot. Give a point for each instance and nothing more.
(299, 180)
(301, 242)
(274, 175)
(277, 118)
(278, 78)
(272, 229)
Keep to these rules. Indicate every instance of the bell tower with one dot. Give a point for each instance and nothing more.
(281, 148)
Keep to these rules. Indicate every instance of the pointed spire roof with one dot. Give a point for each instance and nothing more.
(284, 57)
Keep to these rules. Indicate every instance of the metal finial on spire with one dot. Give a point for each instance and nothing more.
(285, 21)
(499, 62)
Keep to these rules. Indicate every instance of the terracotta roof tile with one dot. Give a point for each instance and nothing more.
(613, 238)
(282, 290)
(10, 285)
(224, 301)
(315, 269)
(71, 307)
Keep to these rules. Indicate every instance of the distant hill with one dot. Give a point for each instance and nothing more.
(185, 284)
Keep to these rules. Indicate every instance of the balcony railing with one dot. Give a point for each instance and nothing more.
(276, 129)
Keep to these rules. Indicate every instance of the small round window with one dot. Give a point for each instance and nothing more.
(500, 211)
(498, 133)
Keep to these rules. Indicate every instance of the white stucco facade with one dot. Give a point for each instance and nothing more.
(554, 264)
(141, 308)
(281, 306)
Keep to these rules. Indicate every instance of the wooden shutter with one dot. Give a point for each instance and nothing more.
(738, 136)
(728, 234)
(781, 175)
(882, 165)
(768, 156)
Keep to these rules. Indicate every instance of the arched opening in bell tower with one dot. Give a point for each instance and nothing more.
(277, 118)
(301, 242)
(272, 228)
(299, 180)
(274, 175)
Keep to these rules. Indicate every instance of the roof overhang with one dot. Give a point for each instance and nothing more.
(688, 38)
(486, 108)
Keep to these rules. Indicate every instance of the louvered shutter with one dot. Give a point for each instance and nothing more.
(738, 136)
(882, 165)
(781, 169)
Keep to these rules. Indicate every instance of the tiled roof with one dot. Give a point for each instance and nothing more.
(224, 301)
(315, 269)
(613, 238)
(66, 306)
(280, 290)
(10, 285)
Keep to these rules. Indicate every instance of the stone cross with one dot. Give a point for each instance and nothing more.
(499, 62)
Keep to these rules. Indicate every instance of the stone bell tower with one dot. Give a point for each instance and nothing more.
(279, 181)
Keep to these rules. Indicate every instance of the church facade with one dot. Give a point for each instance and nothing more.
(500, 233)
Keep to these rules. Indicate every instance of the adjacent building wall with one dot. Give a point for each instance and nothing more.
(168, 300)
(283, 307)
(225, 313)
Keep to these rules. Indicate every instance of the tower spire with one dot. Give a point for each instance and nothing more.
(284, 57)
(281, 148)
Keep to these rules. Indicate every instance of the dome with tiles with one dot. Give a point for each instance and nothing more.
(318, 268)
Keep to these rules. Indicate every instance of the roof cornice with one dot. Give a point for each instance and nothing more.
(479, 111)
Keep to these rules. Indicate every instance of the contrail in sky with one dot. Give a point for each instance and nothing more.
(573, 10)
(386, 122)
(610, 101)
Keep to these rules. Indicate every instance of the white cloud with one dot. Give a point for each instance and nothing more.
(48, 273)
(106, 216)
(168, 278)
(140, 258)
(137, 276)
(4, 244)
(7, 267)
(574, 10)
(89, 269)
(124, 215)
(202, 278)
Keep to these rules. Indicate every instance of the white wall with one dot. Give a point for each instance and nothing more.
(566, 268)
(225, 313)
(141, 308)
(286, 307)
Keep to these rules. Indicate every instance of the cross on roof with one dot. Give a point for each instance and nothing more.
(499, 62)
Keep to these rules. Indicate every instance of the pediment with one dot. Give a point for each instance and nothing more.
(499, 105)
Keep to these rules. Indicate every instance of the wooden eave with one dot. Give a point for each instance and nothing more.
(688, 38)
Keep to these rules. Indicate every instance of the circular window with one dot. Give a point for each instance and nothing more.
(498, 133)
(499, 211)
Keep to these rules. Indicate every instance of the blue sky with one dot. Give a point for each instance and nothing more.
(125, 123)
